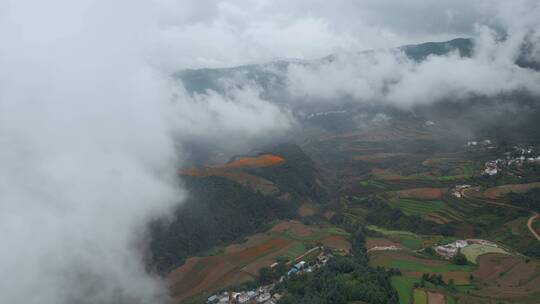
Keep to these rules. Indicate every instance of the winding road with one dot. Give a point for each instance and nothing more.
(529, 224)
(534, 216)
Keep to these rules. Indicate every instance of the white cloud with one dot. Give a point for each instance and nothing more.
(88, 129)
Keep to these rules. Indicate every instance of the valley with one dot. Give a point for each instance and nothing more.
(413, 196)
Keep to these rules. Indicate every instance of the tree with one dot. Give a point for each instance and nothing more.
(451, 284)
(429, 251)
(266, 275)
(279, 270)
(460, 259)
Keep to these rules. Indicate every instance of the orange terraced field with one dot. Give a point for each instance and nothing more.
(264, 160)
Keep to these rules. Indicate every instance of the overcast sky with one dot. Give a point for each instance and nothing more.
(231, 32)
(90, 119)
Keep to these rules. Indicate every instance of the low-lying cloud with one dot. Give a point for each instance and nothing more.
(389, 76)
(89, 130)
(91, 120)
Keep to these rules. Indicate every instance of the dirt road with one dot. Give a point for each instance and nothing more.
(529, 224)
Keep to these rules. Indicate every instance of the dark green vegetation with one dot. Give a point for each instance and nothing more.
(382, 214)
(342, 280)
(529, 200)
(218, 211)
(386, 169)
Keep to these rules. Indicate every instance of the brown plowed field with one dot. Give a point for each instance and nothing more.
(435, 298)
(306, 209)
(337, 242)
(295, 227)
(422, 193)
(241, 262)
(499, 191)
(381, 242)
(508, 276)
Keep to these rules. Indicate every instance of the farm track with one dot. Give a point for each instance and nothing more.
(529, 225)
(529, 222)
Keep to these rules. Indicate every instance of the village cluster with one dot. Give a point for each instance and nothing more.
(448, 251)
(264, 294)
(517, 157)
(457, 191)
(485, 144)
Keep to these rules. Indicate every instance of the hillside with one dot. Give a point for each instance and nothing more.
(230, 201)
(401, 187)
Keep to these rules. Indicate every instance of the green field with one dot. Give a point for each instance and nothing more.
(413, 243)
(338, 231)
(404, 286)
(473, 251)
(420, 296)
(404, 265)
(392, 232)
(407, 239)
(417, 207)
(295, 250)
(374, 183)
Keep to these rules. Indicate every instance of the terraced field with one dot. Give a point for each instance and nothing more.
(407, 239)
(417, 207)
(472, 252)
(239, 263)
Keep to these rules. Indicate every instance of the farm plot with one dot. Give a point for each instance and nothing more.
(404, 287)
(417, 207)
(472, 252)
(419, 296)
(239, 263)
(437, 211)
(407, 239)
(410, 263)
(421, 193)
(508, 277)
(500, 191)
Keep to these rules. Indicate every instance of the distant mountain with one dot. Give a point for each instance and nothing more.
(270, 76)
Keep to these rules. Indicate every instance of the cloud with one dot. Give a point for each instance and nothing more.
(390, 77)
(239, 113)
(90, 119)
(233, 32)
(89, 129)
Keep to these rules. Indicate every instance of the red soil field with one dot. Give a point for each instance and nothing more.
(201, 274)
(264, 160)
(385, 174)
(490, 265)
(295, 227)
(337, 242)
(306, 209)
(435, 298)
(508, 277)
(499, 191)
(422, 193)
